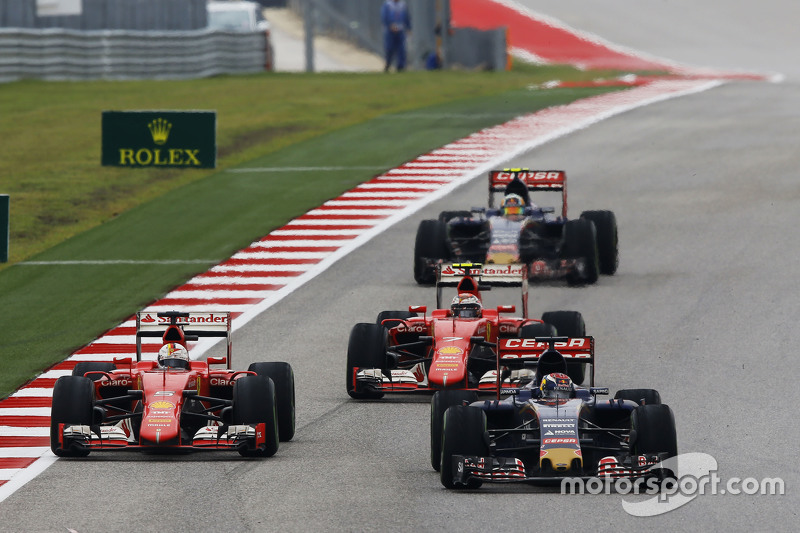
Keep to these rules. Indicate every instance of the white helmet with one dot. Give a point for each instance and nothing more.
(173, 355)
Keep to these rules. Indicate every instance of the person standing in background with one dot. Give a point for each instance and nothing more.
(396, 22)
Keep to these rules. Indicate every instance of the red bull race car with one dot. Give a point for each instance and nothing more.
(452, 347)
(550, 430)
(174, 403)
(519, 231)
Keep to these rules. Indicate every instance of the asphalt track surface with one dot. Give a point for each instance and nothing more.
(703, 308)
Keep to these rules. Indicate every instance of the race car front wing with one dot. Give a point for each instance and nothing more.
(233, 437)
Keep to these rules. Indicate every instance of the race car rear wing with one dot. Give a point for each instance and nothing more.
(175, 326)
(517, 353)
(475, 277)
(534, 180)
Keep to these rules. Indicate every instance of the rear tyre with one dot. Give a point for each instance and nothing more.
(640, 396)
(282, 377)
(605, 223)
(655, 432)
(569, 324)
(430, 245)
(93, 366)
(254, 403)
(73, 403)
(537, 329)
(441, 401)
(447, 216)
(580, 242)
(396, 316)
(463, 433)
(366, 349)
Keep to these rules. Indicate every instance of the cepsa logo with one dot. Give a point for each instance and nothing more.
(573, 343)
(552, 176)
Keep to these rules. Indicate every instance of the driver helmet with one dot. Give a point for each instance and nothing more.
(173, 355)
(466, 306)
(513, 204)
(556, 386)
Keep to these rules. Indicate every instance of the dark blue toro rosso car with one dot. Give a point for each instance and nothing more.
(519, 231)
(550, 429)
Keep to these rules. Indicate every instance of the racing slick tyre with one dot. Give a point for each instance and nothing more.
(580, 242)
(73, 403)
(366, 349)
(569, 324)
(282, 377)
(447, 216)
(653, 431)
(463, 433)
(640, 396)
(429, 246)
(441, 401)
(93, 366)
(393, 315)
(605, 223)
(108, 392)
(254, 403)
(537, 329)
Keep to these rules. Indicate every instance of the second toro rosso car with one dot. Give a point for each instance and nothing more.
(550, 429)
(174, 403)
(450, 347)
(519, 231)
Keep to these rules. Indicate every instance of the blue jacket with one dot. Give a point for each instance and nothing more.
(394, 16)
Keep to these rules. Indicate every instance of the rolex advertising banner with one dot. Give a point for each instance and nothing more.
(185, 139)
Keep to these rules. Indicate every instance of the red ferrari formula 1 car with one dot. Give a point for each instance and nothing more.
(519, 231)
(452, 347)
(174, 403)
(550, 430)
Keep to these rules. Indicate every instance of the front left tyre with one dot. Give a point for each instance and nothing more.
(366, 349)
(442, 400)
(580, 242)
(463, 433)
(73, 403)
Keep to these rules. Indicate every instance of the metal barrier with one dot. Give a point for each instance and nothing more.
(145, 15)
(359, 22)
(58, 54)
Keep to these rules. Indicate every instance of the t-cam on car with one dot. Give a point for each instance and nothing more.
(174, 403)
(519, 231)
(452, 347)
(550, 429)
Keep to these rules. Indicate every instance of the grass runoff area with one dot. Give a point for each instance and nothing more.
(177, 223)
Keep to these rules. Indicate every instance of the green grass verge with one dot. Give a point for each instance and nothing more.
(70, 208)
